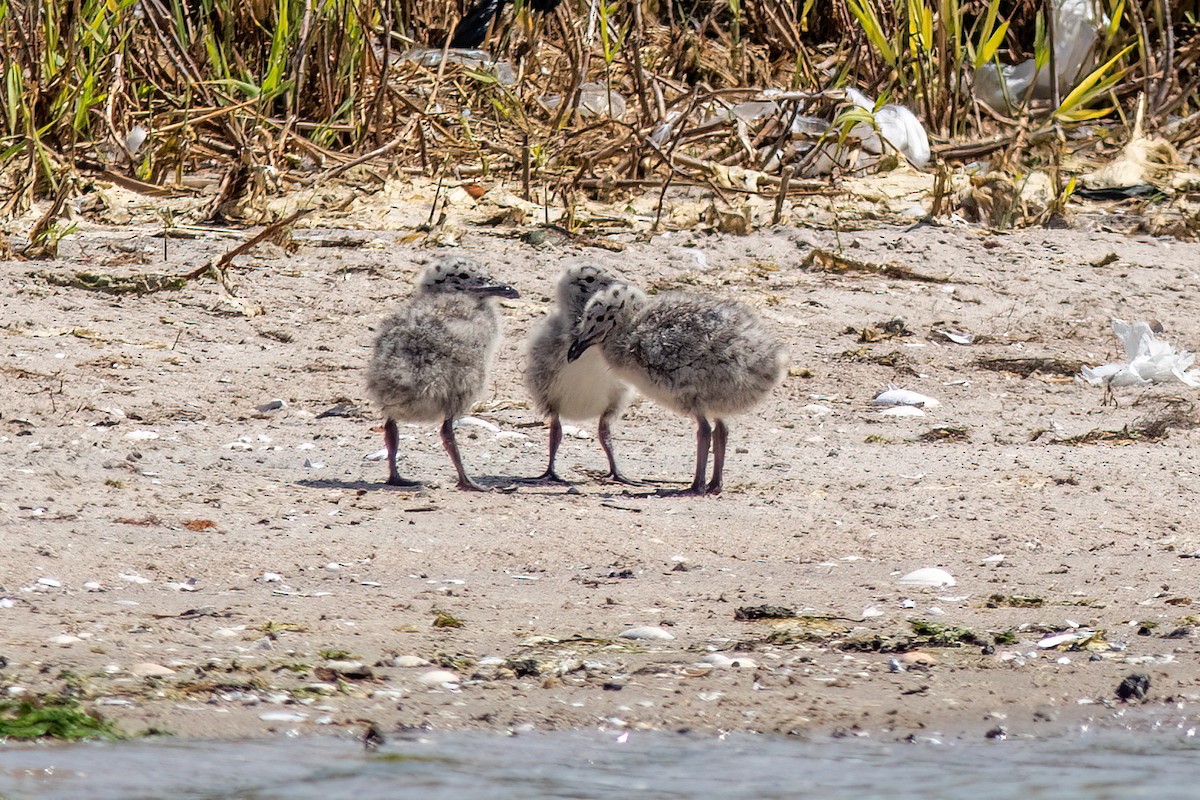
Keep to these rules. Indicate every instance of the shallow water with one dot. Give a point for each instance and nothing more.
(650, 766)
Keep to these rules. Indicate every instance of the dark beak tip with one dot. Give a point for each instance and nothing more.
(577, 349)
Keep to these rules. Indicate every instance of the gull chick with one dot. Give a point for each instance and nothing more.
(581, 389)
(704, 357)
(433, 355)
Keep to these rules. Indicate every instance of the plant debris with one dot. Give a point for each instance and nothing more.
(141, 284)
(821, 260)
(1032, 366)
(749, 613)
(1014, 601)
(52, 717)
(945, 433)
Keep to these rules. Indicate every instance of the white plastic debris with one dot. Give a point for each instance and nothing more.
(133, 578)
(897, 126)
(53, 583)
(480, 60)
(1148, 360)
(928, 576)
(141, 435)
(595, 100)
(646, 633)
(904, 397)
(134, 139)
(1077, 25)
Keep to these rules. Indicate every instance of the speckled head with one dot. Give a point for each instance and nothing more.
(603, 314)
(579, 282)
(459, 274)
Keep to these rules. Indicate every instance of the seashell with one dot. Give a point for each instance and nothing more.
(647, 633)
(928, 576)
(478, 423)
(1063, 638)
(904, 397)
(437, 677)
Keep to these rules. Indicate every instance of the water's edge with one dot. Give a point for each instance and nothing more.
(1162, 764)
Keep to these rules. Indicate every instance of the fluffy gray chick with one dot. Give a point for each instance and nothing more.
(433, 355)
(704, 357)
(581, 389)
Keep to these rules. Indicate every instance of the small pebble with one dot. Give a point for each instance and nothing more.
(409, 661)
(150, 670)
(349, 669)
(322, 688)
(915, 659)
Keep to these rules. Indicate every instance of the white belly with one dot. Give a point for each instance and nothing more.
(585, 388)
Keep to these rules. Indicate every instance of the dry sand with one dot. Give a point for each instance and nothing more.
(154, 519)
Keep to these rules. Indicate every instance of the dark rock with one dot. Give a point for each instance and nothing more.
(998, 733)
(524, 667)
(1135, 686)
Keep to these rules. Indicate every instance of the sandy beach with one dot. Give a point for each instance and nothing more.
(184, 554)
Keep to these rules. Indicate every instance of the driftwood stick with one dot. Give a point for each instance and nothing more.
(224, 260)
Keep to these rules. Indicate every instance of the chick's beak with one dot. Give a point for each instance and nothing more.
(500, 290)
(578, 348)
